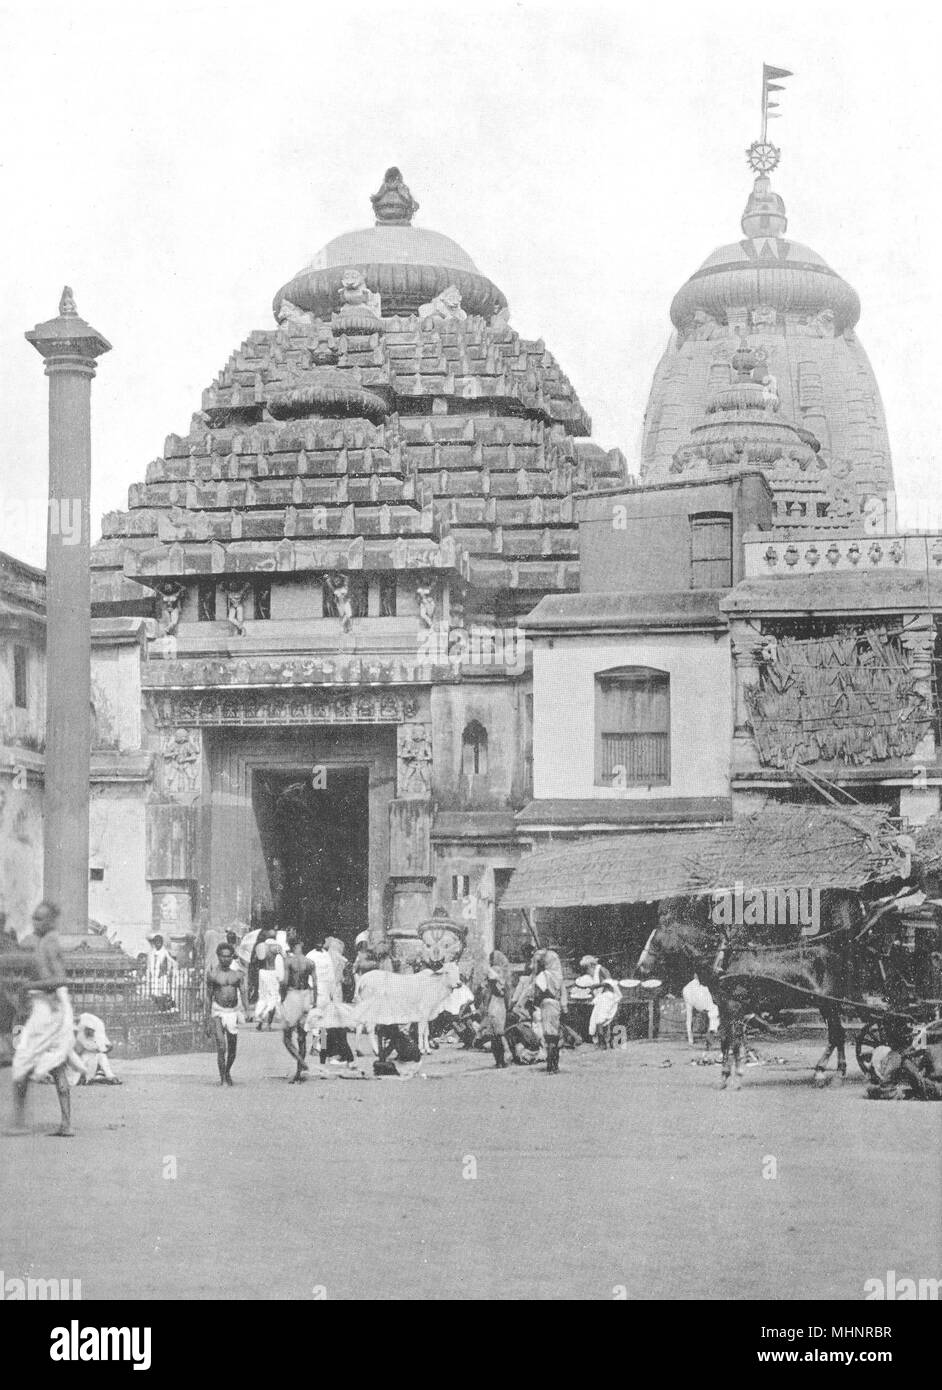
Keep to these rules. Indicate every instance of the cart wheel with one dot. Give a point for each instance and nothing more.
(869, 1037)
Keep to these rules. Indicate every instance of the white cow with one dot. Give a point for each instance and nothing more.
(91, 1049)
(698, 999)
(384, 999)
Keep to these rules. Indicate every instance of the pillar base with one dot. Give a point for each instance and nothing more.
(411, 906)
(172, 913)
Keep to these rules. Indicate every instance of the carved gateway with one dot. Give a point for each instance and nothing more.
(240, 709)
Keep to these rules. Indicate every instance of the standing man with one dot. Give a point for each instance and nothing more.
(297, 1000)
(222, 1008)
(267, 952)
(549, 992)
(47, 1042)
(160, 971)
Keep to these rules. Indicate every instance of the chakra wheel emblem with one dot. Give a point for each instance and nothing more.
(762, 156)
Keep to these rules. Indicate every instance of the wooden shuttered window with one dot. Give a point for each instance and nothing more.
(632, 727)
(20, 681)
(711, 550)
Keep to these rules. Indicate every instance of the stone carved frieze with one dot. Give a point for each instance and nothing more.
(193, 674)
(253, 708)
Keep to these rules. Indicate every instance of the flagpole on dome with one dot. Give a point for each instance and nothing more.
(762, 155)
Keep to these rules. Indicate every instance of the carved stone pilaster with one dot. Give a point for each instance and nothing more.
(171, 868)
(410, 838)
(917, 640)
(747, 645)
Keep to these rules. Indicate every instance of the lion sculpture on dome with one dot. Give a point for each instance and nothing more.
(290, 315)
(356, 297)
(446, 305)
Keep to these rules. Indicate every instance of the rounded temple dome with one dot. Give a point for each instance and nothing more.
(786, 299)
(765, 270)
(406, 266)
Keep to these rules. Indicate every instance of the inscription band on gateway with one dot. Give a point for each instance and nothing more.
(282, 707)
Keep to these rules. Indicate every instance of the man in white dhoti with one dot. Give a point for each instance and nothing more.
(269, 956)
(223, 981)
(297, 1000)
(330, 1015)
(46, 1045)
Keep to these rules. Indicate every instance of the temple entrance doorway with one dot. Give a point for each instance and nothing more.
(315, 840)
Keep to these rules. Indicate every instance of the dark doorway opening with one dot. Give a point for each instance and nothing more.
(314, 830)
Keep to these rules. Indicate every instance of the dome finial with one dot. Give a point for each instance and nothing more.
(393, 204)
(765, 211)
(762, 156)
(764, 214)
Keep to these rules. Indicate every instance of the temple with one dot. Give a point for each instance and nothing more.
(311, 688)
(752, 633)
(818, 428)
(385, 624)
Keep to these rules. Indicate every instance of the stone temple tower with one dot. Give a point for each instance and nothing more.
(778, 297)
(309, 613)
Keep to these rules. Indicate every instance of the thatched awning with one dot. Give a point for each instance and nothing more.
(782, 847)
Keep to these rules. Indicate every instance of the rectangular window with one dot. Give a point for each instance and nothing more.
(20, 666)
(632, 727)
(460, 887)
(711, 551)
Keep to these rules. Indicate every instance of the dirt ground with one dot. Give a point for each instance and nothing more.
(629, 1174)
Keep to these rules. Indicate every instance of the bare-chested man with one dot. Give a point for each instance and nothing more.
(222, 1008)
(48, 1037)
(297, 999)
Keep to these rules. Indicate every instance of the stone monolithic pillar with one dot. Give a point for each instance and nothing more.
(70, 348)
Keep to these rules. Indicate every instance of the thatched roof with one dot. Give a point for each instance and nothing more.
(780, 847)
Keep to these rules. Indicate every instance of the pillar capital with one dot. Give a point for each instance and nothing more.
(67, 339)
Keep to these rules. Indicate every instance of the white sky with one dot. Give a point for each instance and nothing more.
(176, 163)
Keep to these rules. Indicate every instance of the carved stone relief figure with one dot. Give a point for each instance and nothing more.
(236, 595)
(446, 305)
(414, 760)
(356, 297)
(324, 353)
(874, 516)
(290, 314)
(705, 326)
(426, 605)
(181, 753)
(342, 603)
(763, 317)
(171, 598)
